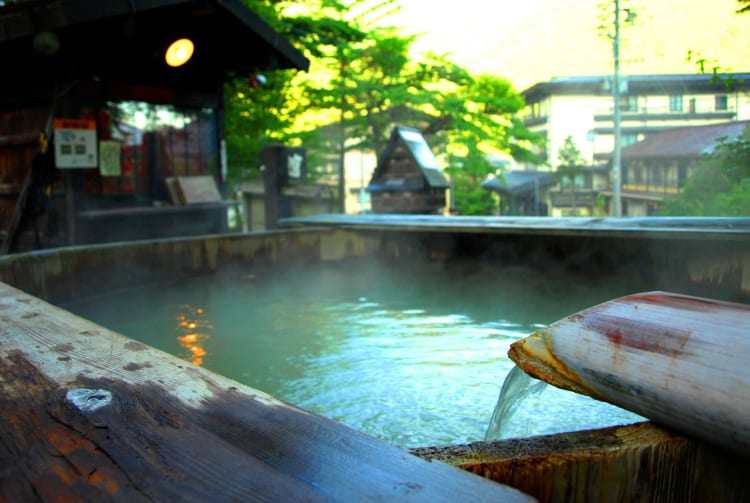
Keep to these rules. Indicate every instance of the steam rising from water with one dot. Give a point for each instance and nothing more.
(412, 353)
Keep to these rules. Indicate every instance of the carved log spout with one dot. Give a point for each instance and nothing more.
(681, 361)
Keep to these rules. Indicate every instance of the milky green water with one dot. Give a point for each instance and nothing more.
(415, 355)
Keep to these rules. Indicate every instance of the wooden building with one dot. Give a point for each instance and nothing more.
(657, 168)
(123, 122)
(407, 178)
(522, 192)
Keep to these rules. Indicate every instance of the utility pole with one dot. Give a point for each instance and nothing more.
(342, 136)
(617, 154)
(342, 160)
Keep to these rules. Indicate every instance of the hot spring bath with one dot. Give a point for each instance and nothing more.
(414, 355)
(360, 301)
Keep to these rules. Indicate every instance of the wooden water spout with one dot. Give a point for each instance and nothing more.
(681, 361)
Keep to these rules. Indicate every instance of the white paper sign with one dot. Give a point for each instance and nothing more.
(75, 143)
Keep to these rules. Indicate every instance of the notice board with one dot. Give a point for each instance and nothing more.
(75, 143)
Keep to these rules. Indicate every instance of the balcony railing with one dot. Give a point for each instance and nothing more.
(650, 188)
(565, 198)
(665, 113)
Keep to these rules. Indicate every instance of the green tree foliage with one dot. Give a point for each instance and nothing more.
(704, 65)
(571, 165)
(720, 185)
(365, 80)
(257, 115)
(378, 84)
(479, 119)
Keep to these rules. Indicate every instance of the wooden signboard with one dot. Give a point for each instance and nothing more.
(192, 190)
(173, 188)
(198, 189)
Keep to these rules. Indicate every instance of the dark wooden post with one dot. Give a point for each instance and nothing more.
(279, 164)
(273, 181)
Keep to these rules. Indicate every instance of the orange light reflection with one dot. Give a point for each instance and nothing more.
(193, 326)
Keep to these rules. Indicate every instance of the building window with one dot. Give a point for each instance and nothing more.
(657, 177)
(638, 174)
(155, 142)
(629, 103)
(675, 103)
(628, 139)
(721, 102)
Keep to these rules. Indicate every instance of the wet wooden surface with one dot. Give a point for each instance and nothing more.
(89, 415)
(635, 463)
(678, 360)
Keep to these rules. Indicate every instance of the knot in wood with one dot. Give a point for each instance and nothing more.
(89, 400)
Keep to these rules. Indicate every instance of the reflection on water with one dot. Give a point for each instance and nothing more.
(192, 329)
(413, 354)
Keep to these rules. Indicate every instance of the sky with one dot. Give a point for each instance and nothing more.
(532, 41)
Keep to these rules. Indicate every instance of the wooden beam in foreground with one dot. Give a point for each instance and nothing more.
(635, 463)
(89, 415)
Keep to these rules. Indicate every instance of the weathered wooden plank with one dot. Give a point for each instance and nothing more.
(87, 414)
(198, 189)
(681, 361)
(635, 463)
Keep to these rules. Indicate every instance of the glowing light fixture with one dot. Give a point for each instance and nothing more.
(179, 52)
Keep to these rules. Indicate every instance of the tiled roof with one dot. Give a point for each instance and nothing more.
(683, 142)
(519, 182)
(665, 84)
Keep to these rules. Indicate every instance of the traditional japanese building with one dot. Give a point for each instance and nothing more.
(137, 137)
(522, 192)
(658, 167)
(407, 178)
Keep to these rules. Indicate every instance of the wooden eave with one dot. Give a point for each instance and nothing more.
(125, 41)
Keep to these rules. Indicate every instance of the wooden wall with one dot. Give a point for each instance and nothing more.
(19, 142)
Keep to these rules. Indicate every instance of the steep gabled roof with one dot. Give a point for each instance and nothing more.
(419, 151)
(688, 142)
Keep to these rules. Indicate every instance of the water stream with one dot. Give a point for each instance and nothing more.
(528, 407)
(518, 386)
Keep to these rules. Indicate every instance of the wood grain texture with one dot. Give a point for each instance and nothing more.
(681, 361)
(634, 463)
(87, 414)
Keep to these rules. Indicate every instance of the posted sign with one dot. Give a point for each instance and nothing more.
(75, 143)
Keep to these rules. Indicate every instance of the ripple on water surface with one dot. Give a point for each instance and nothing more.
(413, 355)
